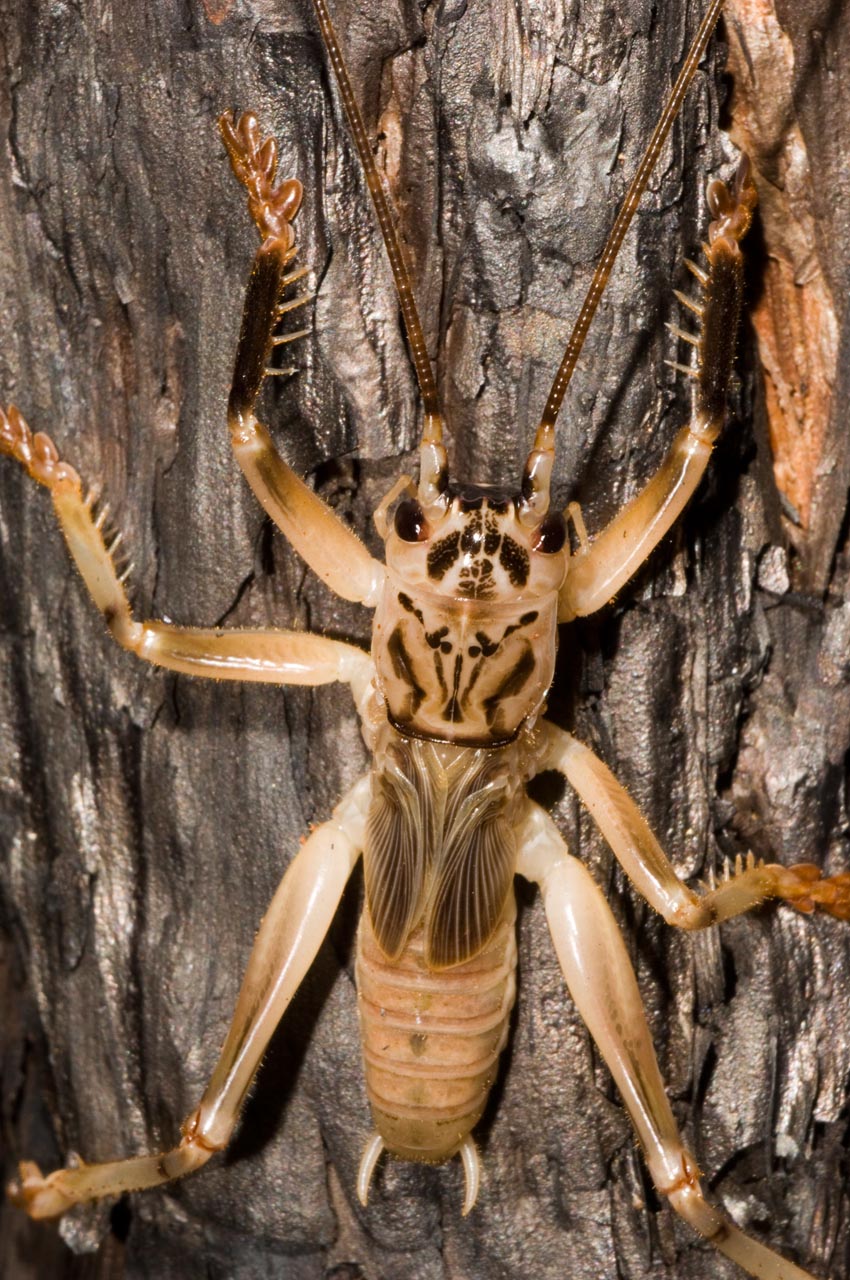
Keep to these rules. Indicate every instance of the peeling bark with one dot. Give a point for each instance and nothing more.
(795, 318)
(146, 818)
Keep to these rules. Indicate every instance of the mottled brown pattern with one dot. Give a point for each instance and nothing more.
(146, 818)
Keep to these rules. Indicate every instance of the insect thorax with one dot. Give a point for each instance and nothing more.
(465, 635)
(457, 671)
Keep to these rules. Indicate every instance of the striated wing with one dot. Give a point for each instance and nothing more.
(474, 874)
(399, 837)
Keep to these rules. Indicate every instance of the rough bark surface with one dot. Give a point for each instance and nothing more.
(146, 818)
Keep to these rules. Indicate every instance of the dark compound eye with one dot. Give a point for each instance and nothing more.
(551, 534)
(410, 521)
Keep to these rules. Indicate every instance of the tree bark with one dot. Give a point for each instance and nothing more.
(146, 818)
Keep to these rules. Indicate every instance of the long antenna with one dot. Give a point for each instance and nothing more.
(433, 431)
(545, 433)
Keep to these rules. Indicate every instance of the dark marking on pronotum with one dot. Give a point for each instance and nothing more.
(403, 668)
(438, 668)
(488, 647)
(436, 640)
(514, 681)
(485, 645)
(470, 499)
(409, 607)
(452, 712)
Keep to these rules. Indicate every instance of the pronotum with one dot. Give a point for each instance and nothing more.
(97, 877)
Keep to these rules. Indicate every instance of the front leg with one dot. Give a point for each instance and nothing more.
(599, 570)
(649, 869)
(289, 937)
(602, 984)
(268, 656)
(331, 549)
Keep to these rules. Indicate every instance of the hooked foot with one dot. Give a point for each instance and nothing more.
(38, 1196)
(36, 453)
(803, 887)
(254, 162)
(748, 882)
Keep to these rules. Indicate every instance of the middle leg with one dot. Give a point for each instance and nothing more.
(649, 869)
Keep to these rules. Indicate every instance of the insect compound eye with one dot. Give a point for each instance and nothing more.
(410, 521)
(551, 534)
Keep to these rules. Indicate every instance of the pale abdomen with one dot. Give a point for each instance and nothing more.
(432, 1039)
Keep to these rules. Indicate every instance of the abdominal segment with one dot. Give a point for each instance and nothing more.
(432, 1039)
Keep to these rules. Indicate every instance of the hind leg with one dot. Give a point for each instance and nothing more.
(602, 983)
(289, 937)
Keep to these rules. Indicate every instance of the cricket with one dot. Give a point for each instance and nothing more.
(476, 589)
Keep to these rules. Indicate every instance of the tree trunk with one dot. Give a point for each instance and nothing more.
(147, 818)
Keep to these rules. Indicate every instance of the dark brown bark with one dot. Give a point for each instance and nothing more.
(146, 818)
